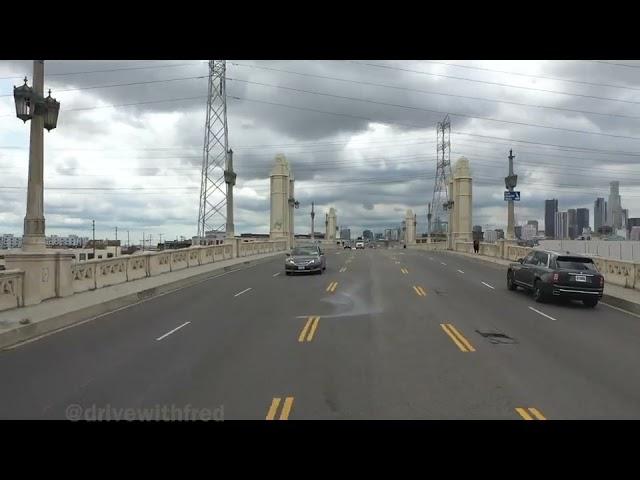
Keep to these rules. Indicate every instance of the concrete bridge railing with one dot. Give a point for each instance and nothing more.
(616, 272)
(99, 273)
(11, 289)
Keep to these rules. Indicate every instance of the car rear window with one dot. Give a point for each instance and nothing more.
(575, 263)
(305, 251)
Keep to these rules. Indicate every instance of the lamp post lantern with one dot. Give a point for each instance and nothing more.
(43, 113)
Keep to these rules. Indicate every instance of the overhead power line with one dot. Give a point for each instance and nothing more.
(422, 126)
(146, 82)
(429, 92)
(455, 114)
(109, 70)
(529, 75)
(487, 82)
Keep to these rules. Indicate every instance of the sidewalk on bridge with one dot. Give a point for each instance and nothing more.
(625, 298)
(57, 313)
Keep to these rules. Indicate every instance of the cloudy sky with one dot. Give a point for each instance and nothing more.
(360, 136)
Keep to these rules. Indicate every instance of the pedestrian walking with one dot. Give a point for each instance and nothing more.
(476, 246)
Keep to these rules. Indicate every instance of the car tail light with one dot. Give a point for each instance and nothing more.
(555, 276)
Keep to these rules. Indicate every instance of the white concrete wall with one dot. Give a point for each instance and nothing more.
(98, 273)
(619, 250)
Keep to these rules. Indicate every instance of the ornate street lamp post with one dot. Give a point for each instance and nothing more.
(43, 113)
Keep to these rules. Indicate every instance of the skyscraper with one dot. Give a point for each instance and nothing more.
(550, 210)
(517, 231)
(614, 212)
(561, 225)
(345, 234)
(599, 213)
(583, 220)
(572, 219)
(535, 223)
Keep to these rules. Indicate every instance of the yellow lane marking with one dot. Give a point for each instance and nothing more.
(457, 338)
(424, 293)
(416, 289)
(452, 336)
(273, 408)
(537, 413)
(335, 285)
(286, 408)
(303, 333)
(461, 338)
(314, 325)
(332, 286)
(404, 270)
(420, 291)
(526, 414)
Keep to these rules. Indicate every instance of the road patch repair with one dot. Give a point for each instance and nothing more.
(497, 338)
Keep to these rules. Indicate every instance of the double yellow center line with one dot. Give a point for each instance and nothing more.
(404, 270)
(332, 287)
(530, 413)
(286, 408)
(306, 335)
(420, 291)
(462, 343)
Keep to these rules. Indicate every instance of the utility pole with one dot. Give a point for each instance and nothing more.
(116, 242)
(128, 245)
(429, 214)
(510, 182)
(93, 227)
(213, 196)
(313, 215)
(441, 202)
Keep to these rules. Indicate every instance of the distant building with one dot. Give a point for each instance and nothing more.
(599, 213)
(499, 233)
(572, 219)
(635, 233)
(561, 226)
(345, 234)
(72, 241)
(529, 231)
(535, 223)
(614, 209)
(632, 222)
(379, 236)
(367, 235)
(517, 231)
(477, 233)
(490, 236)
(7, 240)
(550, 210)
(582, 220)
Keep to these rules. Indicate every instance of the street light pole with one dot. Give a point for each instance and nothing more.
(33, 237)
(510, 182)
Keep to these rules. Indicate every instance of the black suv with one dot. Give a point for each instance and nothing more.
(552, 274)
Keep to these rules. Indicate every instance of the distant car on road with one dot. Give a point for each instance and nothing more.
(305, 258)
(359, 245)
(552, 274)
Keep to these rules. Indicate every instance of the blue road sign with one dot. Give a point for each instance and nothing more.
(515, 196)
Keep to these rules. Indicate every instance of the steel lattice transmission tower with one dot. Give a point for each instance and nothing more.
(212, 215)
(440, 202)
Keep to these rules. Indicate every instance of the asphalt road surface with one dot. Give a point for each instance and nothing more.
(382, 334)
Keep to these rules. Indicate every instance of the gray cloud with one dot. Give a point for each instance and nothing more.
(371, 172)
